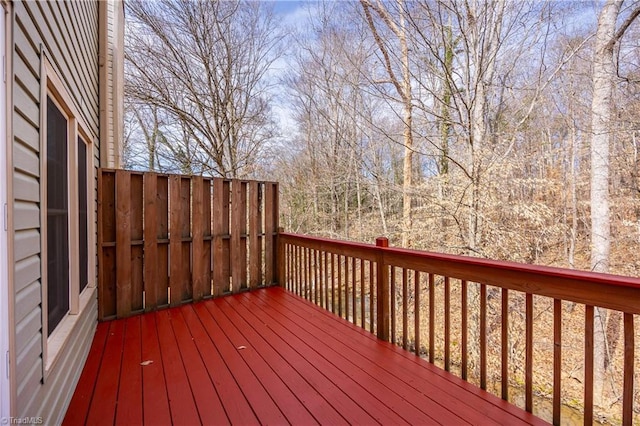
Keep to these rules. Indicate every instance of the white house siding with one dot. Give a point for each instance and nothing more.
(67, 31)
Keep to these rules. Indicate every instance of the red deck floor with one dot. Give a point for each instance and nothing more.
(266, 357)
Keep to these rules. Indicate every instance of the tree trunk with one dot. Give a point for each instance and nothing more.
(601, 107)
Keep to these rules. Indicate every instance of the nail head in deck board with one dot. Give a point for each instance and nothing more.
(123, 244)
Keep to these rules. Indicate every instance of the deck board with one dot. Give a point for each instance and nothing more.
(267, 357)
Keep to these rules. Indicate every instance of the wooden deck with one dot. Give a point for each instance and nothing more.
(268, 357)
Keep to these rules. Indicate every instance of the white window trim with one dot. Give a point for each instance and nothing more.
(5, 385)
(52, 345)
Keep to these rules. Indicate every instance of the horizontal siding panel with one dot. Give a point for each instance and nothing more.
(28, 357)
(26, 272)
(26, 215)
(26, 160)
(27, 329)
(26, 105)
(27, 300)
(25, 48)
(26, 133)
(66, 376)
(26, 244)
(28, 389)
(26, 188)
(25, 76)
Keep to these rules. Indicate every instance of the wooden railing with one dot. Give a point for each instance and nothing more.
(436, 304)
(164, 240)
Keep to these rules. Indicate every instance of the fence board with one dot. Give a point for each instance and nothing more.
(166, 239)
(163, 243)
(123, 244)
(185, 238)
(151, 241)
(199, 263)
(137, 238)
(175, 242)
(238, 235)
(106, 244)
(270, 228)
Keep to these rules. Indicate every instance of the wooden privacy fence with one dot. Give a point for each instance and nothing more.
(164, 240)
(408, 298)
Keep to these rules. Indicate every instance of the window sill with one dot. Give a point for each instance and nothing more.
(60, 336)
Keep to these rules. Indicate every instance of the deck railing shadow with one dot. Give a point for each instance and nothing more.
(379, 288)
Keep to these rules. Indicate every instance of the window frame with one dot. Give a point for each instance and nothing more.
(53, 88)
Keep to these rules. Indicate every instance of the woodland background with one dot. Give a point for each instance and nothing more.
(465, 127)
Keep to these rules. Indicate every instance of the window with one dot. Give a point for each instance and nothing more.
(68, 215)
(57, 216)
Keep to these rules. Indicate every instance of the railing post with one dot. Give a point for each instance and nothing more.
(280, 260)
(382, 291)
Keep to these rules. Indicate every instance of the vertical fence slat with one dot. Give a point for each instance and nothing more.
(372, 292)
(199, 263)
(175, 241)
(123, 244)
(220, 236)
(483, 336)
(255, 235)
(588, 365)
(137, 237)
(354, 292)
(627, 386)
(557, 359)
(106, 239)
(238, 238)
(340, 285)
(416, 280)
(464, 330)
(432, 317)
(362, 311)
(207, 238)
(504, 345)
(392, 299)
(271, 225)
(346, 288)
(150, 241)
(186, 283)
(447, 324)
(382, 289)
(405, 309)
(163, 266)
(528, 375)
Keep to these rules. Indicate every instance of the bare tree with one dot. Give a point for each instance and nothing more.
(205, 64)
(604, 75)
(402, 84)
